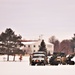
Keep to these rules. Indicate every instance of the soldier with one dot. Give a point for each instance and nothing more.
(20, 58)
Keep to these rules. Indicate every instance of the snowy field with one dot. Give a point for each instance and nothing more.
(23, 68)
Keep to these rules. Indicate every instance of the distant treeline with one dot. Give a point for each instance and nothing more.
(66, 46)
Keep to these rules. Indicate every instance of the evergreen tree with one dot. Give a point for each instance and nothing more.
(73, 44)
(10, 41)
(43, 46)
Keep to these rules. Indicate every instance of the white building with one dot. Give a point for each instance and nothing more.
(34, 46)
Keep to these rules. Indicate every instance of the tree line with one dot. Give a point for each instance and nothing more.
(66, 46)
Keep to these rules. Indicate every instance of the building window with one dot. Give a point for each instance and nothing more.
(34, 50)
(28, 45)
(34, 46)
(24, 45)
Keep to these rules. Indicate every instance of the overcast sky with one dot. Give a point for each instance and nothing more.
(31, 18)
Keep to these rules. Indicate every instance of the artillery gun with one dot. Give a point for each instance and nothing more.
(57, 58)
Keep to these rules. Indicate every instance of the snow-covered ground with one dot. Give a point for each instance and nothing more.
(23, 68)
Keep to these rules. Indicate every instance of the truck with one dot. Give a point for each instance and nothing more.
(39, 58)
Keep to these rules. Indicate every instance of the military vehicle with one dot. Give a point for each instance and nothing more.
(38, 58)
(57, 58)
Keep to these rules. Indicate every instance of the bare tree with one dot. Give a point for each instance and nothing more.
(56, 46)
(52, 39)
(56, 43)
(65, 46)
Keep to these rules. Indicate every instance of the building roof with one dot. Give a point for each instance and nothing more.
(28, 42)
